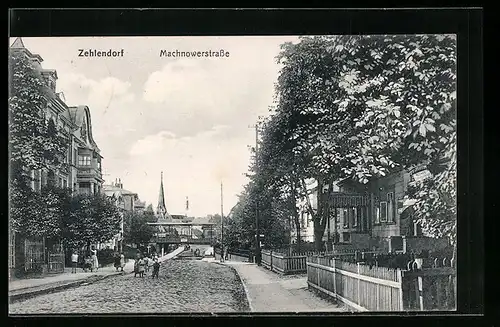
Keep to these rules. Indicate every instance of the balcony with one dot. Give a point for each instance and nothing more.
(89, 173)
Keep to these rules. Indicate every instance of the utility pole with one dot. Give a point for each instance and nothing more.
(257, 231)
(222, 223)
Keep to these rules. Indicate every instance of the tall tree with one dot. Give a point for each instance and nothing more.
(360, 107)
(92, 218)
(136, 228)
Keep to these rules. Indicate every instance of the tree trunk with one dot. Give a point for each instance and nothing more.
(320, 218)
(296, 216)
(319, 231)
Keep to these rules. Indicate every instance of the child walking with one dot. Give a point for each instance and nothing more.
(156, 268)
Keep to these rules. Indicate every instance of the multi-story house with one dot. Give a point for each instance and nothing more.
(82, 157)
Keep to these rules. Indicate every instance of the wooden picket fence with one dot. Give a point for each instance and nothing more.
(365, 288)
(287, 262)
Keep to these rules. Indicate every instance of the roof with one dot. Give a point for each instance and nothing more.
(111, 190)
(18, 43)
(77, 115)
(202, 221)
(140, 204)
(177, 223)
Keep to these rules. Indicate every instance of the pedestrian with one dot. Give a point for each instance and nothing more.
(93, 255)
(146, 264)
(156, 268)
(136, 267)
(117, 261)
(122, 260)
(74, 262)
(88, 264)
(142, 268)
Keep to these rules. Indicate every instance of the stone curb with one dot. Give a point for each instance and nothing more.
(47, 290)
(249, 300)
(30, 294)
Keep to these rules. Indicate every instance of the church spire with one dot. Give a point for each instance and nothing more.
(161, 209)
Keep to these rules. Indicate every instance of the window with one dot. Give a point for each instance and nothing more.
(74, 157)
(61, 182)
(84, 160)
(377, 215)
(383, 211)
(354, 214)
(390, 207)
(346, 218)
(337, 216)
(346, 237)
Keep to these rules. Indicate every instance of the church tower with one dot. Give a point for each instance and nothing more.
(161, 209)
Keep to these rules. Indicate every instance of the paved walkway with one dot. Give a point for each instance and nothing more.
(271, 292)
(32, 284)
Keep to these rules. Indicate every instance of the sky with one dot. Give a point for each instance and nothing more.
(188, 117)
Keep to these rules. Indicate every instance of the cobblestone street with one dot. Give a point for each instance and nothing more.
(183, 286)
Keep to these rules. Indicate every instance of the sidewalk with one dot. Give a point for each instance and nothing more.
(23, 288)
(271, 292)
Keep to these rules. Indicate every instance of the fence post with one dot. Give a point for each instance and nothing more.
(400, 281)
(420, 292)
(317, 269)
(334, 277)
(271, 259)
(359, 300)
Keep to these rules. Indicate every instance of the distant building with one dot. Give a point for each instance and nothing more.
(126, 201)
(140, 206)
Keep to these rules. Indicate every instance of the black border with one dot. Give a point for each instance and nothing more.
(467, 23)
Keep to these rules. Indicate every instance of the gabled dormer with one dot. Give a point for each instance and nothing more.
(50, 77)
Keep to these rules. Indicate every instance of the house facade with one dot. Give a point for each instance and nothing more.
(373, 216)
(82, 157)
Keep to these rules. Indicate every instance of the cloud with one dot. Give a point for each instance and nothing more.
(231, 90)
(101, 93)
(150, 144)
(193, 166)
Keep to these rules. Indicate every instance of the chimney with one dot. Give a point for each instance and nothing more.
(120, 185)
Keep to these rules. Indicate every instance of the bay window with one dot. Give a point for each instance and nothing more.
(84, 160)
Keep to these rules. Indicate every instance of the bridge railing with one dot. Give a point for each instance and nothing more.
(180, 240)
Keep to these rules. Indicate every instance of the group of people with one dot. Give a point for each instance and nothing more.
(90, 262)
(143, 263)
(119, 261)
